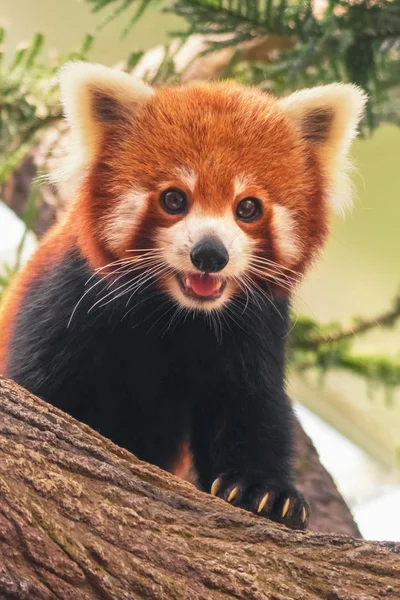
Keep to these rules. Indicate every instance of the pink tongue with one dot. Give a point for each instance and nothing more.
(203, 285)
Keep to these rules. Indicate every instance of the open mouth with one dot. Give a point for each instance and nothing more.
(201, 286)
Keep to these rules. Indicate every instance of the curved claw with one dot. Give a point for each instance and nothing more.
(233, 493)
(263, 502)
(215, 486)
(285, 507)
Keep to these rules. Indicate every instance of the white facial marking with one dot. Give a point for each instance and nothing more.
(241, 183)
(179, 240)
(120, 225)
(187, 176)
(284, 228)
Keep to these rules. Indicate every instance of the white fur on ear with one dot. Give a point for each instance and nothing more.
(95, 97)
(328, 117)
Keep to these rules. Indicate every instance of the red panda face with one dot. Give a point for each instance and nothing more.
(218, 189)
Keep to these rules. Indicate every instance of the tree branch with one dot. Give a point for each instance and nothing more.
(386, 319)
(81, 518)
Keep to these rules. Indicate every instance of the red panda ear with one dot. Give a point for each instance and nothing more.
(328, 117)
(95, 98)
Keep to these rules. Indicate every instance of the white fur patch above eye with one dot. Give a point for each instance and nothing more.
(241, 183)
(178, 241)
(187, 176)
(286, 238)
(124, 219)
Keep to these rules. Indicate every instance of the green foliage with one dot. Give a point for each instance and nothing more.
(329, 346)
(6, 275)
(349, 41)
(356, 42)
(242, 20)
(29, 98)
(120, 6)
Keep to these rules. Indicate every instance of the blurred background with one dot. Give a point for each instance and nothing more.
(344, 347)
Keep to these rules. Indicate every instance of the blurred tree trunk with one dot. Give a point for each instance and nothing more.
(330, 513)
(51, 202)
(83, 519)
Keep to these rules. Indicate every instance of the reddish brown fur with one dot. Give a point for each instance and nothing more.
(220, 131)
(183, 462)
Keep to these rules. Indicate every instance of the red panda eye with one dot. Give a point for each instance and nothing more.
(249, 209)
(174, 201)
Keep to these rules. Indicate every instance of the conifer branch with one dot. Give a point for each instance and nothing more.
(386, 319)
(356, 41)
(326, 347)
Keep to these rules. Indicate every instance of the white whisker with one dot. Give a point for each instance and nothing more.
(267, 261)
(138, 285)
(272, 273)
(128, 285)
(148, 250)
(265, 295)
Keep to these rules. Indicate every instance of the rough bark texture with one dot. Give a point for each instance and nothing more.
(82, 519)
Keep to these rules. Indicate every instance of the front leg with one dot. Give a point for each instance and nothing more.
(242, 446)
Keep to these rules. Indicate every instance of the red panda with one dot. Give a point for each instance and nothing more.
(157, 311)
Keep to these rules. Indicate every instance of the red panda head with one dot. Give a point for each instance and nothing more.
(216, 188)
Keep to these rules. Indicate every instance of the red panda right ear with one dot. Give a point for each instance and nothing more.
(96, 98)
(327, 117)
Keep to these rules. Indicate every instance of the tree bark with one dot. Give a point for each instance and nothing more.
(82, 519)
(330, 513)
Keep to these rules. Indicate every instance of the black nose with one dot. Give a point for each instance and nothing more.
(209, 255)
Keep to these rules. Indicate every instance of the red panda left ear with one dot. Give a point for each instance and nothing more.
(328, 117)
(95, 99)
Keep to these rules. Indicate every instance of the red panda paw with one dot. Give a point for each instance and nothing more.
(264, 497)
